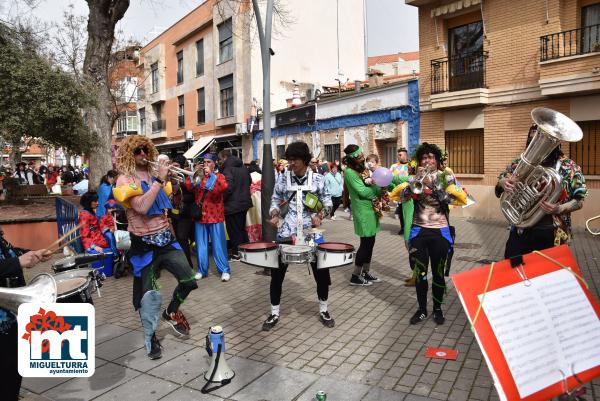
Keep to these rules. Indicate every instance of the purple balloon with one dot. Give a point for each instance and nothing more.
(382, 177)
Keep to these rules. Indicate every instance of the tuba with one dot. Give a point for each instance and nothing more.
(535, 183)
(42, 289)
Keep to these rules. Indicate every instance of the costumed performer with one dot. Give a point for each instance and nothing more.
(298, 156)
(432, 189)
(153, 244)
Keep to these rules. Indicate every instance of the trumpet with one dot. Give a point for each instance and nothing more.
(587, 225)
(179, 174)
(416, 185)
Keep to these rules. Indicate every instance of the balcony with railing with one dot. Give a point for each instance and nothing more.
(573, 42)
(457, 73)
(569, 61)
(459, 80)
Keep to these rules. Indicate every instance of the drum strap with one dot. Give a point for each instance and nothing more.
(299, 180)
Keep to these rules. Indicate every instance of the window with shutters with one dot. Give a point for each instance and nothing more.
(180, 112)
(154, 73)
(225, 41)
(332, 152)
(586, 152)
(226, 92)
(201, 106)
(465, 151)
(180, 67)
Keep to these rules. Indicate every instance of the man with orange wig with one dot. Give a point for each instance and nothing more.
(144, 191)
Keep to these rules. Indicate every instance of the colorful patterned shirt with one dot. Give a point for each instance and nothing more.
(573, 184)
(400, 169)
(281, 194)
(213, 206)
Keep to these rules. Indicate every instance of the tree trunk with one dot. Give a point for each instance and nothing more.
(104, 14)
(15, 154)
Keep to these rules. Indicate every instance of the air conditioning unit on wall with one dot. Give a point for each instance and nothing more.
(241, 128)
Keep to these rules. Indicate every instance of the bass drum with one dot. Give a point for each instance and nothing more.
(74, 286)
(334, 254)
(262, 254)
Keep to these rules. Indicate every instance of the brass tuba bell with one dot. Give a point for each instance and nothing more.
(535, 183)
(42, 289)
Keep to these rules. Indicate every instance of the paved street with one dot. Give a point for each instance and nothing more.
(371, 354)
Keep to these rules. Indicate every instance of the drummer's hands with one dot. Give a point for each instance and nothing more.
(163, 169)
(274, 221)
(46, 254)
(316, 221)
(30, 259)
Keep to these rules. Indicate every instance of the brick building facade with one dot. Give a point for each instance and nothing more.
(202, 77)
(486, 64)
(380, 119)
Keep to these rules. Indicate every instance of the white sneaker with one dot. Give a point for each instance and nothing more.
(225, 277)
(333, 218)
(198, 276)
(347, 210)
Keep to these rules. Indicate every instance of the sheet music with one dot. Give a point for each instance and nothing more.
(544, 328)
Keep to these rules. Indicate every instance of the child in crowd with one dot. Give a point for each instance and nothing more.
(382, 202)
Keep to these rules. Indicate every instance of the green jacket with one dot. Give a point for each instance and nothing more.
(366, 223)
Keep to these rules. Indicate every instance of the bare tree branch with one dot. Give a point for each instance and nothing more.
(69, 42)
(244, 13)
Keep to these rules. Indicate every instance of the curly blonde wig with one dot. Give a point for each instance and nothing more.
(125, 157)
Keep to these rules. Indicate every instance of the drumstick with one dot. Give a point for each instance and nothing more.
(64, 236)
(51, 251)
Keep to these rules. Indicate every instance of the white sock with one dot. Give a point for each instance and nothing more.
(322, 306)
(275, 310)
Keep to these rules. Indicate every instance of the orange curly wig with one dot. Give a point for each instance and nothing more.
(125, 157)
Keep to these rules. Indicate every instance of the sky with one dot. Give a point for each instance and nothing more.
(392, 25)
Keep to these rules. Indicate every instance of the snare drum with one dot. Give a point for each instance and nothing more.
(64, 264)
(296, 253)
(334, 254)
(262, 254)
(74, 286)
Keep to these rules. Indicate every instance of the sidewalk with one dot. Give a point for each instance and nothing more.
(373, 353)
